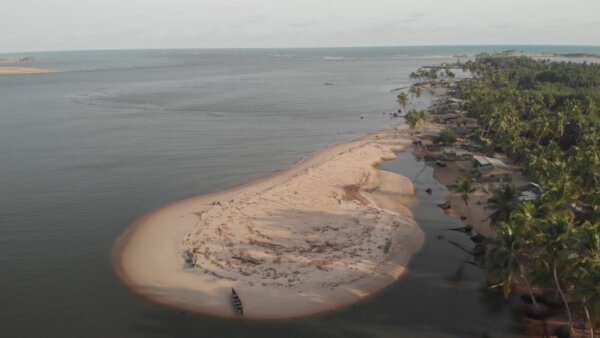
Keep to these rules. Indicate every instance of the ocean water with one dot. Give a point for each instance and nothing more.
(114, 134)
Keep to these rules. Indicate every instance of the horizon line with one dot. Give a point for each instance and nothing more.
(320, 47)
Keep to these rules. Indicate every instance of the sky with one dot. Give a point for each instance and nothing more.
(40, 25)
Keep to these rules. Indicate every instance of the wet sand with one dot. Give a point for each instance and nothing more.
(330, 231)
(476, 213)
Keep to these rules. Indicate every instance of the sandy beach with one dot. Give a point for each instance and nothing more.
(325, 233)
(23, 70)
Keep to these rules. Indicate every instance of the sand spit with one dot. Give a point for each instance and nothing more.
(325, 233)
(23, 70)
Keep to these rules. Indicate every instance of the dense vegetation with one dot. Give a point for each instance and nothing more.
(545, 115)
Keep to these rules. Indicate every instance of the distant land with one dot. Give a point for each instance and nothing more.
(24, 70)
(21, 70)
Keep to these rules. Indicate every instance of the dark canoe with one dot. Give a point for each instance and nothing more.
(237, 302)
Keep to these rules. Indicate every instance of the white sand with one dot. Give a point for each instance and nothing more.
(303, 241)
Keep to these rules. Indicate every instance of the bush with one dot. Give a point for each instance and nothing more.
(446, 137)
(488, 149)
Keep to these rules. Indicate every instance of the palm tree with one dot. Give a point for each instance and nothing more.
(504, 201)
(433, 74)
(557, 237)
(403, 100)
(555, 230)
(561, 189)
(464, 186)
(415, 91)
(501, 264)
(560, 122)
(526, 215)
(591, 299)
(542, 128)
(414, 118)
(413, 76)
(584, 258)
(587, 289)
(508, 260)
(513, 251)
(524, 221)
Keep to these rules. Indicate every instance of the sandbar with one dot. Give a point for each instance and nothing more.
(323, 234)
(24, 70)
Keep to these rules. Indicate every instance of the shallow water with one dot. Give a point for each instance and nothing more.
(441, 285)
(115, 134)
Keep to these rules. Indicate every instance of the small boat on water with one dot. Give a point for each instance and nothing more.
(237, 302)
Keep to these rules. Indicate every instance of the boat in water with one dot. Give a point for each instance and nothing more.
(237, 302)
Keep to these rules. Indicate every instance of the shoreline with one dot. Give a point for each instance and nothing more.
(148, 256)
(24, 70)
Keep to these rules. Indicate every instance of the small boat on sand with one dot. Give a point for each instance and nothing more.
(237, 302)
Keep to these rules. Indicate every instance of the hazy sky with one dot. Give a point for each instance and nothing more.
(27, 25)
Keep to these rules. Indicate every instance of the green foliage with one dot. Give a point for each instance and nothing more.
(488, 149)
(445, 137)
(414, 118)
(415, 91)
(464, 186)
(402, 99)
(546, 116)
(504, 201)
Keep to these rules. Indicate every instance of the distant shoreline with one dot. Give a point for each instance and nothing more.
(24, 70)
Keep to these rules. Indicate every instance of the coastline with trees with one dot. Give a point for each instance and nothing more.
(538, 125)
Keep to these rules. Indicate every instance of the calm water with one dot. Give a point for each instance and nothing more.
(447, 295)
(116, 134)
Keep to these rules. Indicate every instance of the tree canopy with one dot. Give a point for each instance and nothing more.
(544, 115)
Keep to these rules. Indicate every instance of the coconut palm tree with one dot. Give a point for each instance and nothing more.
(504, 201)
(559, 123)
(553, 130)
(587, 290)
(415, 91)
(526, 215)
(591, 298)
(403, 100)
(555, 231)
(542, 128)
(464, 186)
(414, 118)
(561, 189)
(509, 260)
(584, 258)
(524, 221)
(513, 251)
(433, 74)
(501, 263)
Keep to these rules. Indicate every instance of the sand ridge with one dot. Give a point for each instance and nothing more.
(325, 233)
